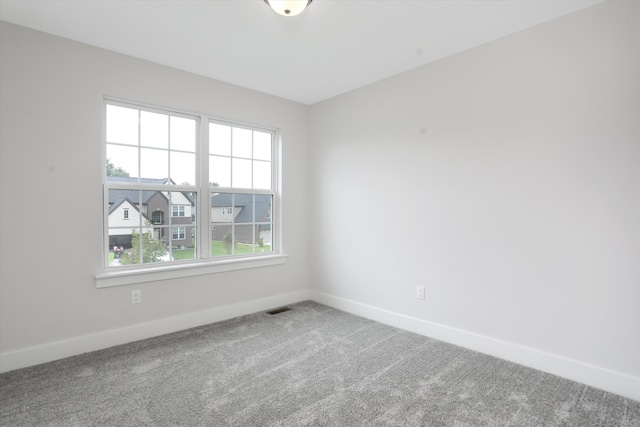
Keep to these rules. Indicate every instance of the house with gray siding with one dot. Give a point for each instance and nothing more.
(168, 213)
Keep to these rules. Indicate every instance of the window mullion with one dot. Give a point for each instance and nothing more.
(253, 223)
(140, 236)
(233, 223)
(203, 219)
(139, 147)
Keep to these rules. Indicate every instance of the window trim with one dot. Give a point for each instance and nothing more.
(205, 263)
(117, 277)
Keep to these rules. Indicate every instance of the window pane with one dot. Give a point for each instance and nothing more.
(241, 223)
(244, 239)
(261, 145)
(122, 125)
(128, 225)
(154, 163)
(241, 142)
(125, 212)
(183, 168)
(154, 130)
(241, 173)
(261, 175)
(219, 139)
(222, 208)
(155, 247)
(119, 244)
(182, 207)
(124, 160)
(220, 171)
(264, 238)
(221, 239)
(223, 212)
(183, 134)
(263, 207)
(188, 252)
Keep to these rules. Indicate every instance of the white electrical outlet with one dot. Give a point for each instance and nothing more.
(420, 292)
(136, 298)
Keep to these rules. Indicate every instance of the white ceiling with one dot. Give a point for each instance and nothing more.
(332, 47)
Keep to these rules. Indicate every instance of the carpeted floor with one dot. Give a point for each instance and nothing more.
(312, 365)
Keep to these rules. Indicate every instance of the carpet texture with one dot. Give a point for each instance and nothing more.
(311, 366)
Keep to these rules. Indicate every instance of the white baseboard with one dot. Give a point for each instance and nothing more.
(605, 379)
(48, 352)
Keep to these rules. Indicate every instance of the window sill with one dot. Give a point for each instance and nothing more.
(123, 277)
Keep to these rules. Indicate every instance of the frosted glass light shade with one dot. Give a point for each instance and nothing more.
(288, 7)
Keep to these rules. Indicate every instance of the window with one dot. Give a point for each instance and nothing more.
(156, 217)
(241, 173)
(178, 233)
(177, 210)
(221, 205)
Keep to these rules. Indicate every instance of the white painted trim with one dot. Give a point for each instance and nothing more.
(575, 370)
(125, 276)
(23, 358)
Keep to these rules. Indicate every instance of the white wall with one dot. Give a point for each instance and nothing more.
(519, 162)
(51, 105)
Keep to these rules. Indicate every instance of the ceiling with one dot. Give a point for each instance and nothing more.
(333, 47)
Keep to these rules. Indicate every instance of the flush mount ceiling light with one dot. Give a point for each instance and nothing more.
(288, 7)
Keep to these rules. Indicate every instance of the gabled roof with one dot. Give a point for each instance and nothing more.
(262, 204)
(134, 196)
(120, 201)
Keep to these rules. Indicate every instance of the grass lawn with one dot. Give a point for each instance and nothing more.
(217, 249)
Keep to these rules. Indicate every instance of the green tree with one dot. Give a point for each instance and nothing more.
(153, 249)
(113, 170)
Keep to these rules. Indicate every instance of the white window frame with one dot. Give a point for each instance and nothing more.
(204, 262)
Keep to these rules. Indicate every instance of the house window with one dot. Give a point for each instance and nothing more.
(156, 217)
(153, 165)
(177, 210)
(178, 233)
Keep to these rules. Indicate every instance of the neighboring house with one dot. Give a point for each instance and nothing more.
(240, 211)
(122, 213)
(171, 220)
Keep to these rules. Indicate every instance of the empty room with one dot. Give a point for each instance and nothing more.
(320, 212)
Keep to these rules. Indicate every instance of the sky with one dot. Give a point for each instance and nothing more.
(158, 145)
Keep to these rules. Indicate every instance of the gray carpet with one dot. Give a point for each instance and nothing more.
(311, 366)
